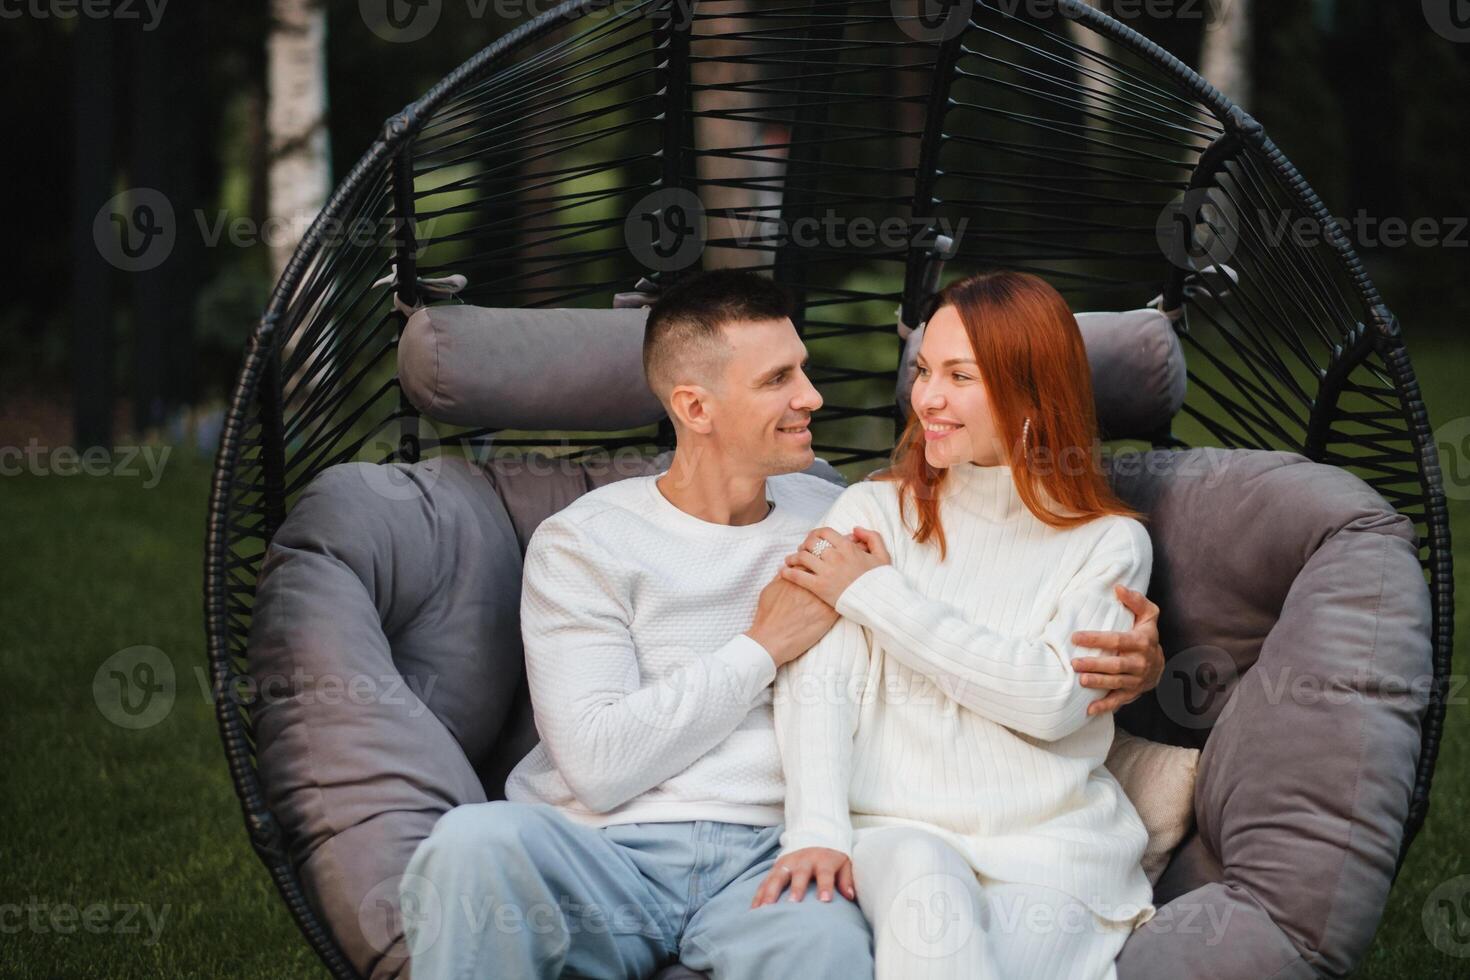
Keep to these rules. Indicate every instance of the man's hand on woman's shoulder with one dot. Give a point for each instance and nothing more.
(1133, 662)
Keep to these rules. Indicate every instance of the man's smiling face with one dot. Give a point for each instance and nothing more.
(764, 403)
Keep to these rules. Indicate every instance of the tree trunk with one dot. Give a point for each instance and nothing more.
(296, 122)
(1225, 51)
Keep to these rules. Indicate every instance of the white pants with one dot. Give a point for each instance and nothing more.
(934, 918)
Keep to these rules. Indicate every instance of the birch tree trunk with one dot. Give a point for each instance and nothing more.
(296, 123)
(1225, 50)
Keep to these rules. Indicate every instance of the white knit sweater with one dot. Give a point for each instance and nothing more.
(945, 698)
(650, 702)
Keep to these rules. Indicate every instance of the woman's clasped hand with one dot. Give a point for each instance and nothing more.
(828, 570)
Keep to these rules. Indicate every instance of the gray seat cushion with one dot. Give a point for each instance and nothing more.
(1268, 569)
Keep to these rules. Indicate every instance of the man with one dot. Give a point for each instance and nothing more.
(654, 618)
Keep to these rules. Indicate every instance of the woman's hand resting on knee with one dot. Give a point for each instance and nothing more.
(828, 868)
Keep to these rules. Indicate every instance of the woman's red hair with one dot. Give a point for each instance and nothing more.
(1032, 363)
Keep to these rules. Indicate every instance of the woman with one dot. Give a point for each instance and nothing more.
(941, 765)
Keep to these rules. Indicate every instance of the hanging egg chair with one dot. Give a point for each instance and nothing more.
(451, 355)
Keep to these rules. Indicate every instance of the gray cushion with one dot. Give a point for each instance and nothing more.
(381, 571)
(510, 369)
(1138, 374)
(1293, 592)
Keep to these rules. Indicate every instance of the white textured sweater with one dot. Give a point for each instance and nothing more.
(945, 698)
(651, 704)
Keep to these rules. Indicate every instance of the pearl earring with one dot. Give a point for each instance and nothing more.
(1026, 439)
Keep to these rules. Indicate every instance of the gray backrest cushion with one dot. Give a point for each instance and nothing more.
(1295, 620)
(534, 487)
(528, 369)
(1138, 374)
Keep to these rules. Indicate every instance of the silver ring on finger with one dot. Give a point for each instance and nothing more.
(822, 545)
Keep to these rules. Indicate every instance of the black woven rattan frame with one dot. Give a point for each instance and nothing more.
(1065, 131)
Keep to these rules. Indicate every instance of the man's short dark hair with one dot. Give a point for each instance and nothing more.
(684, 335)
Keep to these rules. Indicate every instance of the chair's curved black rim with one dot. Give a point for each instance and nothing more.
(259, 380)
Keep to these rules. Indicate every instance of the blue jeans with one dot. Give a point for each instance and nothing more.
(518, 890)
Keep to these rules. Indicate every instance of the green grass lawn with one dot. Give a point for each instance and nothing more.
(123, 853)
(140, 823)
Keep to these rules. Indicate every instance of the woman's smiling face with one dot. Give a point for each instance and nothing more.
(949, 397)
